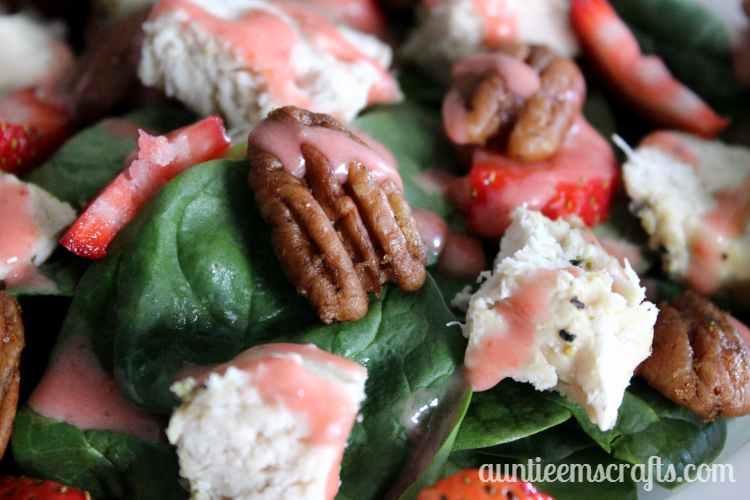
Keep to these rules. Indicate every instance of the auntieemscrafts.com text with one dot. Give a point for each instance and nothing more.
(654, 471)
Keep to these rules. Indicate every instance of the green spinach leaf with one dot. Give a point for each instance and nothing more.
(193, 279)
(507, 412)
(649, 425)
(106, 464)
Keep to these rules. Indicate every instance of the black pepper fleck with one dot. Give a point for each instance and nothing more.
(724, 256)
(663, 249)
(567, 336)
(637, 207)
(577, 303)
(576, 262)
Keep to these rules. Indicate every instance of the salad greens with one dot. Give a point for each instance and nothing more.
(106, 464)
(193, 279)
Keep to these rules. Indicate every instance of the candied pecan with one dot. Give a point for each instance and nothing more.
(698, 359)
(11, 344)
(491, 109)
(530, 127)
(547, 116)
(336, 242)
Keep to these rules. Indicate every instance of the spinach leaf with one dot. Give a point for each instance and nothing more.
(555, 443)
(507, 412)
(414, 135)
(411, 357)
(690, 39)
(589, 468)
(193, 279)
(649, 425)
(106, 464)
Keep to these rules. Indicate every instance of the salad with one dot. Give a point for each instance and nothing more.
(189, 277)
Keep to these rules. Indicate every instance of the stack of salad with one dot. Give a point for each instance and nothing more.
(193, 279)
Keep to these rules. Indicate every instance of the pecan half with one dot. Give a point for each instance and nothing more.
(336, 242)
(545, 119)
(530, 127)
(11, 344)
(698, 359)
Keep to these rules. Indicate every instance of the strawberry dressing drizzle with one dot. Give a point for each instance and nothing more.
(284, 139)
(266, 42)
(76, 390)
(18, 235)
(280, 374)
(513, 344)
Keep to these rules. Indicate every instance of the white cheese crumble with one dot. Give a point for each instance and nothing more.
(560, 313)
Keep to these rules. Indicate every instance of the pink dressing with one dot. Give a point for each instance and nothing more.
(432, 228)
(500, 21)
(279, 373)
(673, 145)
(326, 37)
(362, 15)
(285, 139)
(463, 256)
(513, 344)
(76, 390)
(266, 42)
(19, 235)
(584, 155)
(519, 78)
(726, 221)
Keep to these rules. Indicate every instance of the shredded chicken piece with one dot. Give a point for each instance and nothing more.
(698, 359)
(11, 345)
(336, 243)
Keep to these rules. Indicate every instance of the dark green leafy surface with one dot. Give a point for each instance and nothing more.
(507, 412)
(649, 425)
(107, 464)
(194, 279)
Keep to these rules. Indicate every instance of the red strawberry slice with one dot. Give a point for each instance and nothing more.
(160, 159)
(27, 488)
(468, 485)
(30, 130)
(580, 179)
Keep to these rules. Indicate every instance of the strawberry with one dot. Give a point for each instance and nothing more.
(160, 159)
(30, 130)
(580, 179)
(468, 485)
(27, 488)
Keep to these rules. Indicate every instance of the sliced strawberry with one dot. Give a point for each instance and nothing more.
(30, 130)
(580, 179)
(160, 159)
(468, 485)
(27, 488)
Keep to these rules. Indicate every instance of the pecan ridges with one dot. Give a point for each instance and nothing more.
(11, 344)
(336, 243)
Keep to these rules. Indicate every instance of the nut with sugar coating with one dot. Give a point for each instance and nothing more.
(522, 98)
(341, 226)
(11, 344)
(699, 358)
